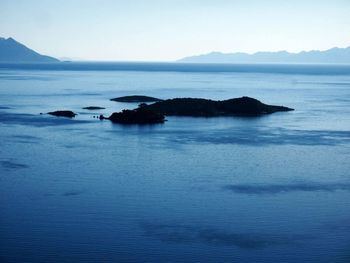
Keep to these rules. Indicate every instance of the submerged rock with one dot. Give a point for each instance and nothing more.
(94, 108)
(136, 98)
(63, 113)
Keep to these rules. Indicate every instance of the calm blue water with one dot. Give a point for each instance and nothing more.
(268, 189)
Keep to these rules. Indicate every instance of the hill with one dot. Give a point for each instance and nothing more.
(15, 52)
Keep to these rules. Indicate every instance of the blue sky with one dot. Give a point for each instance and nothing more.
(163, 30)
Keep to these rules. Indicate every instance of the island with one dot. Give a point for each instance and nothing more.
(136, 99)
(244, 106)
(194, 107)
(63, 113)
(93, 108)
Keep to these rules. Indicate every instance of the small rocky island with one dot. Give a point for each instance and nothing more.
(136, 99)
(63, 113)
(94, 108)
(194, 107)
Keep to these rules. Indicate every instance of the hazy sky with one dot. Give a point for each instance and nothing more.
(167, 30)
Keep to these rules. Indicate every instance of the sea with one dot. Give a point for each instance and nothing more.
(274, 188)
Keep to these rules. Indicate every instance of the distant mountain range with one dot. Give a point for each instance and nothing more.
(15, 52)
(333, 55)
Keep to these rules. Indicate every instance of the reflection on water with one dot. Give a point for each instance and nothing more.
(261, 136)
(190, 234)
(72, 193)
(287, 188)
(8, 165)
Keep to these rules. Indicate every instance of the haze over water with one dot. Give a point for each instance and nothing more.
(274, 188)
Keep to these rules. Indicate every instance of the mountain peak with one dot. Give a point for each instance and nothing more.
(9, 39)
